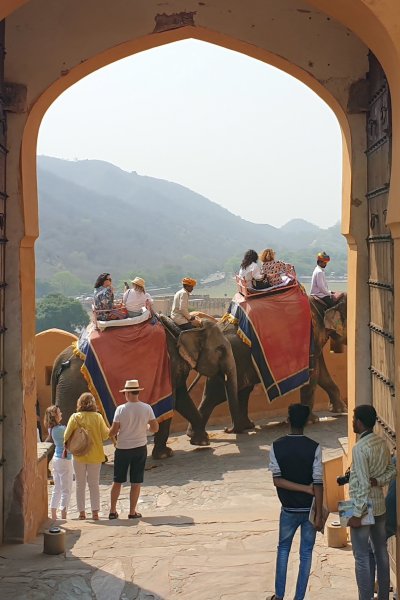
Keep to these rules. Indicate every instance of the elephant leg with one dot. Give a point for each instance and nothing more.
(244, 422)
(307, 392)
(186, 407)
(326, 382)
(214, 393)
(161, 449)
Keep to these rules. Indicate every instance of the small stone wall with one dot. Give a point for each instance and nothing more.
(38, 509)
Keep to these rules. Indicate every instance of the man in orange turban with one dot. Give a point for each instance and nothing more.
(180, 307)
(189, 281)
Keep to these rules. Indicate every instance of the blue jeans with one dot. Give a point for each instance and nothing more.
(365, 574)
(289, 522)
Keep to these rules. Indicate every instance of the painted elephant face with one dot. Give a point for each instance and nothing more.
(335, 318)
(206, 349)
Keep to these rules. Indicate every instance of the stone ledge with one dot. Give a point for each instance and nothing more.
(43, 450)
(344, 442)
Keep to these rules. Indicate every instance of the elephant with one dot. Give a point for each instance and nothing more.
(210, 354)
(326, 323)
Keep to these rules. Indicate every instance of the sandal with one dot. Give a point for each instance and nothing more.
(95, 515)
(82, 516)
(113, 515)
(135, 515)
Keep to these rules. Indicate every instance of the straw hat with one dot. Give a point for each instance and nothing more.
(132, 385)
(139, 281)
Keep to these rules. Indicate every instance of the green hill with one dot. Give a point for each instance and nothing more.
(96, 217)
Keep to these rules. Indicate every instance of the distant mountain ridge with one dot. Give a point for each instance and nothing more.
(96, 217)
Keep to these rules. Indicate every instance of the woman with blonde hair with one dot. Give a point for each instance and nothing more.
(87, 467)
(136, 298)
(61, 465)
(276, 272)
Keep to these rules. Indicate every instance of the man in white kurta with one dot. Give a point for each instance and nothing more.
(180, 307)
(319, 287)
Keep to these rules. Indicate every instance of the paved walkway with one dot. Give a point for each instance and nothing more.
(209, 532)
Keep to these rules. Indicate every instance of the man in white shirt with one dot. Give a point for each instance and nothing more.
(319, 287)
(180, 307)
(131, 423)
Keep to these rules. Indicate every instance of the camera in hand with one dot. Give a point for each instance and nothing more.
(343, 479)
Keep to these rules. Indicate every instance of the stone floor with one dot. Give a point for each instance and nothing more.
(209, 532)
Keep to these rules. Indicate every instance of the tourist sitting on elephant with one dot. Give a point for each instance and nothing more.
(276, 272)
(106, 309)
(136, 298)
(251, 272)
(180, 307)
(319, 286)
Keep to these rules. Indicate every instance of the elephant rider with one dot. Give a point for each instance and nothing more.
(136, 298)
(180, 307)
(103, 299)
(319, 287)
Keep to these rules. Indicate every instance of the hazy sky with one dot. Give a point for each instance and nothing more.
(234, 129)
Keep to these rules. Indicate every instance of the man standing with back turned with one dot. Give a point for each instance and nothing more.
(131, 422)
(371, 469)
(296, 466)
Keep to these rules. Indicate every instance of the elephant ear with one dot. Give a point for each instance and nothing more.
(190, 345)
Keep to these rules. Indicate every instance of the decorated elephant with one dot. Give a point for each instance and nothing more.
(330, 323)
(210, 354)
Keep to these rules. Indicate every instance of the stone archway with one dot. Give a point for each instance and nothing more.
(301, 38)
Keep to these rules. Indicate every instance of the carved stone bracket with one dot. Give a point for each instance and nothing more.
(166, 22)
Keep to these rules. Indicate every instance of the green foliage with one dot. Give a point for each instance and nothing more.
(55, 310)
(67, 284)
(43, 288)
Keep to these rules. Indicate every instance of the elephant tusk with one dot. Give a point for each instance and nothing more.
(194, 382)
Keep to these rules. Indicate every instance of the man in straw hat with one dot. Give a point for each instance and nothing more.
(319, 287)
(136, 298)
(131, 422)
(180, 307)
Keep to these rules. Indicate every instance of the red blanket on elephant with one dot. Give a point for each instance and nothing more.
(277, 327)
(112, 356)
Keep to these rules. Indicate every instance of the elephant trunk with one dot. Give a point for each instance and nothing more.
(231, 387)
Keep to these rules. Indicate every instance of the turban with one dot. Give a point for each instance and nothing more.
(189, 281)
(323, 256)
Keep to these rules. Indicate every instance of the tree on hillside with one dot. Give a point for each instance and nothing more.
(67, 284)
(55, 310)
(43, 288)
